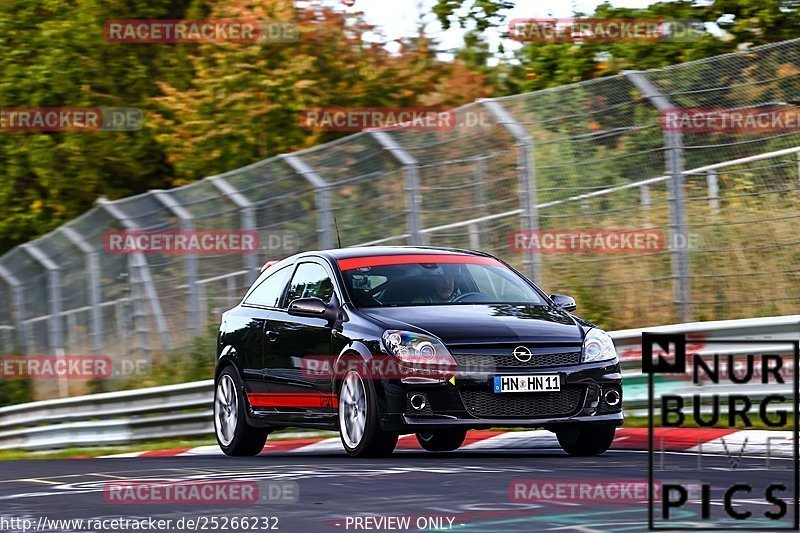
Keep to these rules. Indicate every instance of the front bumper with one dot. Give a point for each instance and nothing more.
(470, 401)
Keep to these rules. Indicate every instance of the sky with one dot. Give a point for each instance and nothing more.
(399, 18)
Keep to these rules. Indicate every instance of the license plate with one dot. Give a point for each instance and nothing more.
(533, 383)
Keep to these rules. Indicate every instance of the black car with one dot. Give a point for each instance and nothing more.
(381, 341)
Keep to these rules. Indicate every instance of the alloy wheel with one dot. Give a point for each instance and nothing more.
(352, 409)
(226, 410)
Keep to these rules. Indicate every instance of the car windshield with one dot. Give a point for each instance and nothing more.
(477, 280)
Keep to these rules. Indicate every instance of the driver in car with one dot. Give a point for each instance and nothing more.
(443, 290)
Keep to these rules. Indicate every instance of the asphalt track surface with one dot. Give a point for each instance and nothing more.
(469, 487)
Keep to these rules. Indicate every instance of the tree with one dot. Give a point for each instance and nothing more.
(208, 108)
(538, 65)
(53, 54)
(244, 102)
(483, 14)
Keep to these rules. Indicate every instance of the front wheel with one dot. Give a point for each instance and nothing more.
(234, 436)
(443, 440)
(586, 439)
(359, 426)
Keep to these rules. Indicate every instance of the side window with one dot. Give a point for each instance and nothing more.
(269, 291)
(310, 280)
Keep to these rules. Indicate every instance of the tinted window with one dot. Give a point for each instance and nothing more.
(438, 284)
(269, 291)
(309, 281)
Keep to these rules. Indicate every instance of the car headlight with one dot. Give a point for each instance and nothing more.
(424, 354)
(598, 346)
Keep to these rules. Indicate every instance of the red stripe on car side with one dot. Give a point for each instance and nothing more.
(407, 259)
(292, 399)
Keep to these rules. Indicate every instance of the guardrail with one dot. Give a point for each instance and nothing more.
(110, 418)
(185, 410)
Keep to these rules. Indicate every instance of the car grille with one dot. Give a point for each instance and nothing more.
(475, 362)
(486, 404)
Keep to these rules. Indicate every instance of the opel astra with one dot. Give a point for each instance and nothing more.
(378, 342)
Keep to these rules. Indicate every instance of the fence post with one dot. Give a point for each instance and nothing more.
(673, 141)
(231, 285)
(474, 236)
(411, 179)
(187, 225)
(480, 178)
(797, 154)
(713, 192)
(55, 337)
(72, 330)
(325, 224)
(139, 269)
(119, 319)
(247, 222)
(19, 307)
(92, 286)
(644, 191)
(527, 177)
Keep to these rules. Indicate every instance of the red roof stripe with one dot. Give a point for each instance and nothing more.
(409, 259)
(268, 264)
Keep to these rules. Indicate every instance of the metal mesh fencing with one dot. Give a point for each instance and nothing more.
(593, 155)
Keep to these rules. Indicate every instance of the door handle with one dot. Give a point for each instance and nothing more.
(272, 335)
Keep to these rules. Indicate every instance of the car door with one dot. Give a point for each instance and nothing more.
(257, 307)
(296, 345)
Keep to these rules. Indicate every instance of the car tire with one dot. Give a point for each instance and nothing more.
(584, 440)
(234, 435)
(443, 440)
(359, 425)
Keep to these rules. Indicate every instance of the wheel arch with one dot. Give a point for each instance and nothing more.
(228, 357)
(357, 349)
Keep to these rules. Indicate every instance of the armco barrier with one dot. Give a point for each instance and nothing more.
(110, 418)
(185, 410)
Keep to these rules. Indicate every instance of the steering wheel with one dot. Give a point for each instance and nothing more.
(464, 296)
(365, 299)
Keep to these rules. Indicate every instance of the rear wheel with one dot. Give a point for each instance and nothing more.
(442, 440)
(234, 435)
(586, 439)
(359, 426)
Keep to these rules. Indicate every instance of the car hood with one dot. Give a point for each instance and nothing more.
(473, 324)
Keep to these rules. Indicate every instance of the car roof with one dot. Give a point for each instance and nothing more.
(370, 251)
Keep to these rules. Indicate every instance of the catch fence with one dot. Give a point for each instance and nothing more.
(592, 155)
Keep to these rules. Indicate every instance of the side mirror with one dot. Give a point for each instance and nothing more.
(310, 307)
(314, 308)
(567, 303)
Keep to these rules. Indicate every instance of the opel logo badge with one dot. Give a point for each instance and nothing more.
(522, 354)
